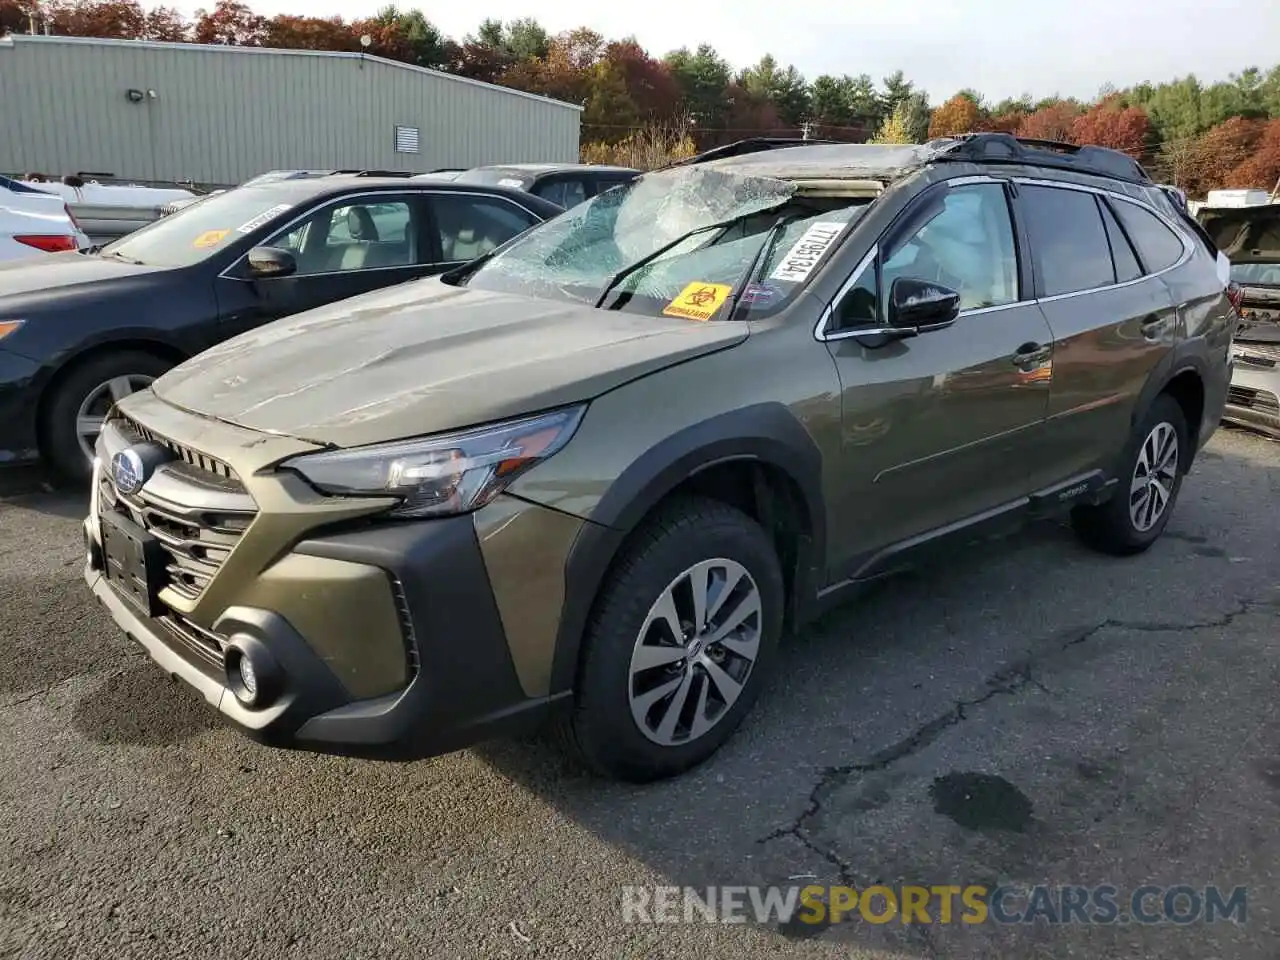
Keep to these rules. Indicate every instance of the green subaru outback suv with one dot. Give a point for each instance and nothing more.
(595, 475)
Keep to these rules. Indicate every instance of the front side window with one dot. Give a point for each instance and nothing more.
(1068, 238)
(364, 234)
(967, 244)
(689, 232)
(1158, 246)
(471, 226)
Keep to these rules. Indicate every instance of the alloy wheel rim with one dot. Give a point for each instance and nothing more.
(97, 404)
(1151, 487)
(695, 652)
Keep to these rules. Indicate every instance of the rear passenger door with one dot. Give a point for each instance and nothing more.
(469, 225)
(1112, 319)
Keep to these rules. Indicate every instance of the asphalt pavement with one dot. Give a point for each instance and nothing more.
(1021, 712)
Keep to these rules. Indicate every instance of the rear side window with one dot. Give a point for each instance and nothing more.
(1158, 246)
(1069, 239)
(1127, 267)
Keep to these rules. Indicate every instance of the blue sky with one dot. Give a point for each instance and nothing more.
(1001, 47)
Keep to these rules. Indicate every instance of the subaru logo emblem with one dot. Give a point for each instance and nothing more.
(128, 472)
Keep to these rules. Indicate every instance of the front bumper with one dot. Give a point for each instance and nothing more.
(1253, 399)
(18, 399)
(463, 689)
(389, 640)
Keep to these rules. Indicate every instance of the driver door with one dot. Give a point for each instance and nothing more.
(345, 248)
(937, 428)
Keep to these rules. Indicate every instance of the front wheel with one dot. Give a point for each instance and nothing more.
(1150, 479)
(80, 402)
(682, 638)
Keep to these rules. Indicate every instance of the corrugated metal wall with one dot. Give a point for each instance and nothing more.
(221, 115)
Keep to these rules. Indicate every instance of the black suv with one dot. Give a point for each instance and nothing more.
(566, 184)
(81, 331)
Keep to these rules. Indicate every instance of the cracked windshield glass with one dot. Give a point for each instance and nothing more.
(676, 242)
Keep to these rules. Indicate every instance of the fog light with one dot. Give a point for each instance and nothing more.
(252, 673)
(248, 678)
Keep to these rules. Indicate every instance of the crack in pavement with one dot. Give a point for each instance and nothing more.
(1005, 682)
(48, 688)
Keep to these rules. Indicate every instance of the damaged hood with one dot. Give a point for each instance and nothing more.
(427, 357)
(1244, 234)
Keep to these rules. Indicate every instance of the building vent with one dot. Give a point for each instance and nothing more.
(406, 139)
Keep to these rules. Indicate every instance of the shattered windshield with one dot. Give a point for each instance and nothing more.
(690, 232)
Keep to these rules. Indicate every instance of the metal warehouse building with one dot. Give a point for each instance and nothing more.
(219, 115)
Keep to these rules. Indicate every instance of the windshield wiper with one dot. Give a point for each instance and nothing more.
(647, 259)
(117, 255)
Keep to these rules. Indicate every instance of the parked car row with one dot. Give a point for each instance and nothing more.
(592, 473)
(79, 332)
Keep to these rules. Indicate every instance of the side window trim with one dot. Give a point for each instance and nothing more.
(1108, 210)
(1187, 249)
(871, 261)
(430, 196)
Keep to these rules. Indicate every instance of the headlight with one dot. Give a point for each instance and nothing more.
(445, 474)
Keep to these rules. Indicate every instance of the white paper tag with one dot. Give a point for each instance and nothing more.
(262, 218)
(803, 257)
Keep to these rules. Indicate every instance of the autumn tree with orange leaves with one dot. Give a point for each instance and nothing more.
(960, 114)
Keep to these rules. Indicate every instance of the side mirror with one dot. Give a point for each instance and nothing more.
(270, 262)
(916, 305)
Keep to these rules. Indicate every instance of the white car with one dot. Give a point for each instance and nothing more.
(34, 222)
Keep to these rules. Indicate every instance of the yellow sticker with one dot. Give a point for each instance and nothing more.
(210, 238)
(698, 301)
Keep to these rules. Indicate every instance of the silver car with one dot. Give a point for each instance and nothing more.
(1250, 238)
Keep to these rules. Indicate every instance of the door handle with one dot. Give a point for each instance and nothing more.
(1152, 325)
(1031, 354)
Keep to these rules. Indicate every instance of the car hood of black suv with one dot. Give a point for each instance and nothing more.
(426, 357)
(58, 273)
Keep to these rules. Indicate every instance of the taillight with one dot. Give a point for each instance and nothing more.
(49, 243)
(1236, 296)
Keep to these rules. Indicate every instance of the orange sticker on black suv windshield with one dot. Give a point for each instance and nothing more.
(698, 301)
(210, 238)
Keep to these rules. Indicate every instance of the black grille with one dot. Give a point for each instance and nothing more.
(205, 464)
(194, 506)
(1258, 354)
(1260, 400)
(203, 643)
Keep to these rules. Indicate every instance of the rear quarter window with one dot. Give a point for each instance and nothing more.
(1158, 247)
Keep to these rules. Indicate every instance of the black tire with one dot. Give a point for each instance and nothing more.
(1109, 527)
(600, 728)
(59, 439)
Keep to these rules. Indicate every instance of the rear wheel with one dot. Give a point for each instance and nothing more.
(681, 641)
(1150, 479)
(81, 400)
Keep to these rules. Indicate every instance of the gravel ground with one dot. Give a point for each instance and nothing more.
(1024, 712)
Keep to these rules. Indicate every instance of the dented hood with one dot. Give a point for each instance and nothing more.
(427, 357)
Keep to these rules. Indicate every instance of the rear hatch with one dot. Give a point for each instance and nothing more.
(1250, 239)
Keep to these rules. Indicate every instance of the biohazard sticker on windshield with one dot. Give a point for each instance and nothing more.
(210, 238)
(803, 257)
(262, 218)
(698, 301)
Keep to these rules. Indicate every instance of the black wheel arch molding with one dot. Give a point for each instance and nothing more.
(768, 434)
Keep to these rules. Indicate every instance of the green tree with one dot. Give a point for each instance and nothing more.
(702, 77)
(785, 88)
(909, 122)
(897, 88)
